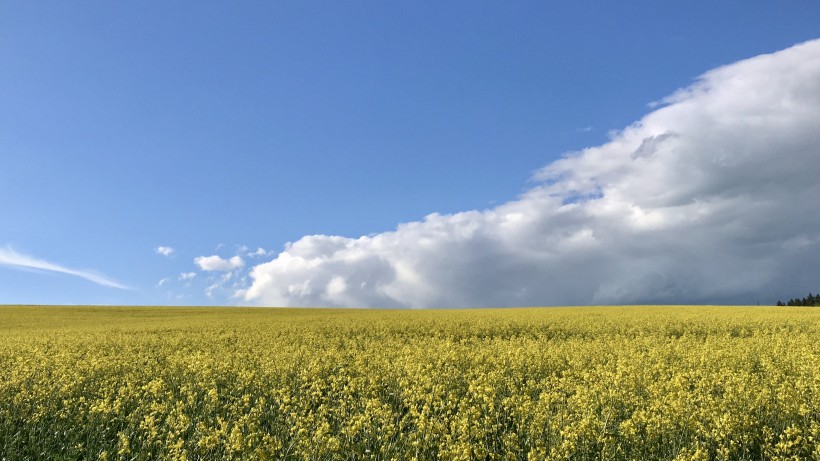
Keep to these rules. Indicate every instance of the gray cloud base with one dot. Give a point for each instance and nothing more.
(711, 198)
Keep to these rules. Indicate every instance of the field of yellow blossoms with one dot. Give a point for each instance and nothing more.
(642, 383)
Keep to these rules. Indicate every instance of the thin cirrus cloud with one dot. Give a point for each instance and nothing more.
(709, 198)
(11, 258)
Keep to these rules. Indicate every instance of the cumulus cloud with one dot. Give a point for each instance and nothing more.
(259, 252)
(187, 276)
(216, 263)
(164, 251)
(9, 257)
(709, 198)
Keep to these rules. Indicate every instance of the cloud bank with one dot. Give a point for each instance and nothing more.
(9, 257)
(710, 198)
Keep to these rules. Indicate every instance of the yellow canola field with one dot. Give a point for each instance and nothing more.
(642, 383)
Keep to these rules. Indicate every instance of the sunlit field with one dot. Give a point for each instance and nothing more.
(642, 383)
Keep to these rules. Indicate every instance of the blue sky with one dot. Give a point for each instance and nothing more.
(217, 128)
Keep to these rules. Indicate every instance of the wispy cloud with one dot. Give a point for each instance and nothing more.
(164, 251)
(11, 258)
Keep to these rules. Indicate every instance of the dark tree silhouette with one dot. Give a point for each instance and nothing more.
(810, 300)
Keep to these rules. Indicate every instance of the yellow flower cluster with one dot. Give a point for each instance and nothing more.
(614, 383)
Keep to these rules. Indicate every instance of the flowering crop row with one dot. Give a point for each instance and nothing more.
(696, 383)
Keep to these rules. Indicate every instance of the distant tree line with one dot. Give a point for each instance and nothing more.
(810, 300)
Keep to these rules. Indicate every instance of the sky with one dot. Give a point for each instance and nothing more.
(409, 154)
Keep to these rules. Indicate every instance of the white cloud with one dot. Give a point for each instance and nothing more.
(209, 291)
(712, 197)
(164, 251)
(216, 263)
(259, 252)
(187, 276)
(9, 257)
(162, 282)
